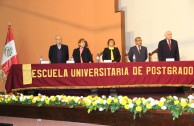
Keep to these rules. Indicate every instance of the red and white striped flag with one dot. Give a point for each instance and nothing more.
(9, 53)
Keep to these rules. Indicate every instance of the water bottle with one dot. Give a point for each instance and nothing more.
(72, 59)
(134, 58)
(97, 58)
(41, 59)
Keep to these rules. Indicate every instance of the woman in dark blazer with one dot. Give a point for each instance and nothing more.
(82, 54)
(111, 50)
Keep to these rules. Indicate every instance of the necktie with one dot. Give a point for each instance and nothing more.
(139, 47)
(111, 53)
(169, 44)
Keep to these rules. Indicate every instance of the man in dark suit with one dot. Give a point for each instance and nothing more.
(138, 53)
(168, 48)
(111, 53)
(58, 53)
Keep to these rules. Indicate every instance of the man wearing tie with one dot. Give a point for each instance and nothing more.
(168, 48)
(138, 53)
(58, 53)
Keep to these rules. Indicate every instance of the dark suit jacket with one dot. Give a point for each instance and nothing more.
(107, 54)
(86, 55)
(140, 56)
(53, 53)
(164, 51)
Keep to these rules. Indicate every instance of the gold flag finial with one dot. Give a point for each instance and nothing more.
(9, 23)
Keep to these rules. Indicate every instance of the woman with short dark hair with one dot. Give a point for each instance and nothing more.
(82, 54)
(111, 52)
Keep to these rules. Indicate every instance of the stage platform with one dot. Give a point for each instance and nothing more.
(79, 114)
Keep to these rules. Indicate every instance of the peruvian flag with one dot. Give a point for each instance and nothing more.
(9, 53)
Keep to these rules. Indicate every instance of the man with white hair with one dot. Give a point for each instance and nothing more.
(168, 48)
(58, 53)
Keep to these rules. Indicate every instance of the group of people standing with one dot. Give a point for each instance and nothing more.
(59, 53)
(167, 48)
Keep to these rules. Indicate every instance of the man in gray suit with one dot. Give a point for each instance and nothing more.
(138, 53)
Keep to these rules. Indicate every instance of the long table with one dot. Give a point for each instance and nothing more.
(100, 75)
